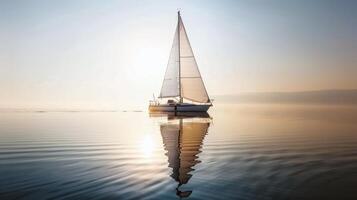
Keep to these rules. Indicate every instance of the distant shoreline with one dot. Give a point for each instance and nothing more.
(316, 97)
(339, 97)
(29, 110)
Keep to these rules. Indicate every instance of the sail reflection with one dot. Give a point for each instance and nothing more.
(182, 137)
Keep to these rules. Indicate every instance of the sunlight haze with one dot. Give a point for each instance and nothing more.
(113, 54)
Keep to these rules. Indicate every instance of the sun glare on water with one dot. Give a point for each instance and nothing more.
(147, 146)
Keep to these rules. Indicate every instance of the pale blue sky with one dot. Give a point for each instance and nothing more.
(111, 54)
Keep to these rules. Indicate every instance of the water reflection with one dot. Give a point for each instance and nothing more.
(182, 136)
(251, 152)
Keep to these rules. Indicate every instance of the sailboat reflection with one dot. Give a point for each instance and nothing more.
(182, 137)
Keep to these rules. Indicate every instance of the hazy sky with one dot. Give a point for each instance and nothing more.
(109, 54)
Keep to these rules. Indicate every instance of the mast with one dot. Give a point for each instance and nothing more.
(179, 61)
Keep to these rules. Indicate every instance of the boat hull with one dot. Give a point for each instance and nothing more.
(179, 108)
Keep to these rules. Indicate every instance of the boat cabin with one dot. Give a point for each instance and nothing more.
(171, 102)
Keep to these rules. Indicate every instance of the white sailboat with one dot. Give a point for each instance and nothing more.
(183, 89)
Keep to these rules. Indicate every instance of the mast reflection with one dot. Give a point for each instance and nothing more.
(182, 137)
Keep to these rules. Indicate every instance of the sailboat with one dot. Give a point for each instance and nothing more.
(183, 89)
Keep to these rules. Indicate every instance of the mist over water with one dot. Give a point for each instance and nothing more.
(242, 151)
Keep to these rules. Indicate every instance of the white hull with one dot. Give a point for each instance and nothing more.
(179, 108)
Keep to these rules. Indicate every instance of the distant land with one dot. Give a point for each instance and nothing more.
(316, 97)
(340, 97)
(44, 110)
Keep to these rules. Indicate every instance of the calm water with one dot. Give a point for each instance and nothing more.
(240, 152)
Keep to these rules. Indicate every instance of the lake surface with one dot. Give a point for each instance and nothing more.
(239, 152)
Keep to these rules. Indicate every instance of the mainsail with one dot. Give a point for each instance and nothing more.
(182, 78)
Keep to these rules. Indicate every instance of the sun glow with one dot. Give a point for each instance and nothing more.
(147, 146)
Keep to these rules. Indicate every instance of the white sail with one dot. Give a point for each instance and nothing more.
(170, 86)
(192, 86)
(182, 77)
